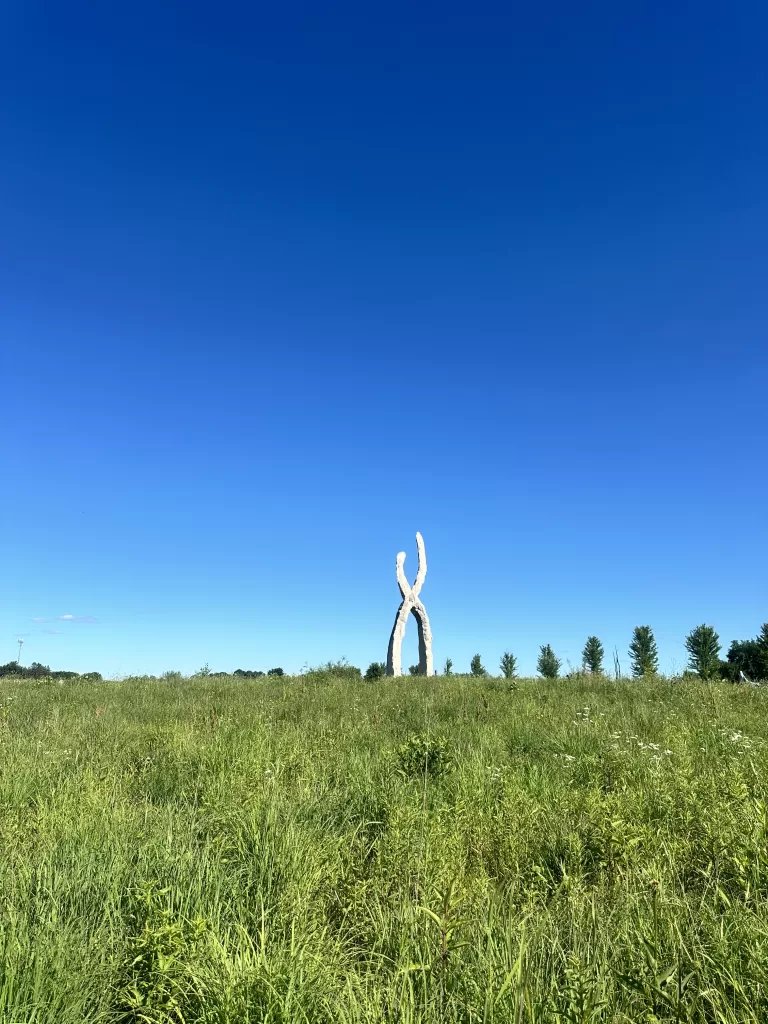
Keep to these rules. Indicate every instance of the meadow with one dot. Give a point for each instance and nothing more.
(435, 850)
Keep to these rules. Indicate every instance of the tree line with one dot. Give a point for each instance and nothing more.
(746, 660)
(38, 671)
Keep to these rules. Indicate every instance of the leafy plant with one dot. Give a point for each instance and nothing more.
(157, 980)
(376, 670)
(643, 652)
(447, 922)
(448, 667)
(423, 754)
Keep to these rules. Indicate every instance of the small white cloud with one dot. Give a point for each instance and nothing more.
(52, 632)
(62, 617)
(39, 618)
(77, 618)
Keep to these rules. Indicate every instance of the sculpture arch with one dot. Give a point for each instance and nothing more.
(411, 605)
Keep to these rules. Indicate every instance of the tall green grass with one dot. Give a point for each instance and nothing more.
(217, 850)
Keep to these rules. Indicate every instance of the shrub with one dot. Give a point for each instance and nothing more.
(703, 646)
(592, 655)
(422, 754)
(508, 665)
(334, 670)
(548, 664)
(413, 670)
(643, 652)
(376, 670)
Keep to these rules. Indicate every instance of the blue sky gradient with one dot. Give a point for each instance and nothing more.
(279, 288)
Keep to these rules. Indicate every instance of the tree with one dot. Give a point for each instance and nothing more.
(744, 656)
(643, 652)
(448, 666)
(275, 672)
(548, 664)
(703, 646)
(376, 670)
(508, 665)
(592, 655)
(749, 657)
(413, 670)
(476, 667)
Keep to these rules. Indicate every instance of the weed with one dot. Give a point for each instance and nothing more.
(421, 755)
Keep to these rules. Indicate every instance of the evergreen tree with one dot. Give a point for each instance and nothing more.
(548, 664)
(476, 667)
(508, 665)
(703, 646)
(592, 655)
(643, 652)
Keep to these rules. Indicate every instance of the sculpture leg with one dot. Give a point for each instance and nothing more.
(395, 650)
(426, 664)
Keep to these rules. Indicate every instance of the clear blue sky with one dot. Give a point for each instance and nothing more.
(281, 284)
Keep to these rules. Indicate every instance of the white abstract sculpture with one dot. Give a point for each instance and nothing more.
(411, 605)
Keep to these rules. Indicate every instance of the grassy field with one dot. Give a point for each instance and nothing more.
(215, 850)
